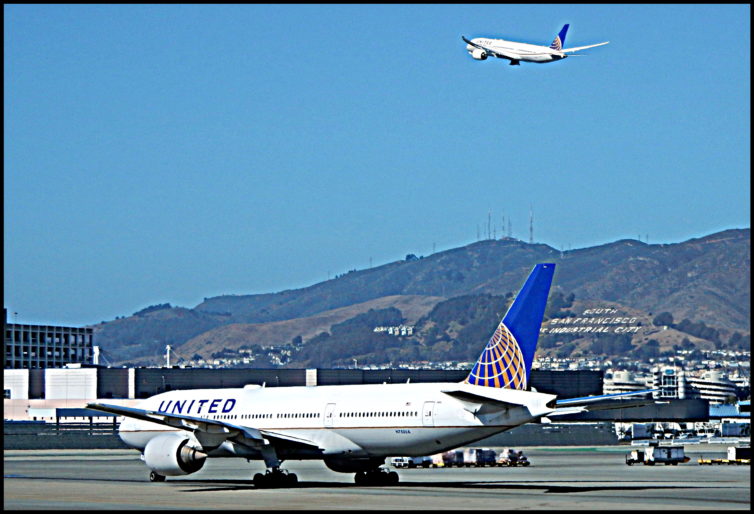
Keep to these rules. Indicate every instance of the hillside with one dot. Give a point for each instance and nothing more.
(277, 333)
(704, 279)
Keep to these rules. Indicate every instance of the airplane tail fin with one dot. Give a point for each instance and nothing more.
(559, 41)
(507, 358)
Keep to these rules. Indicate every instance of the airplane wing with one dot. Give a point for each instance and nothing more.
(502, 55)
(577, 48)
(601, 402)
(209, 432)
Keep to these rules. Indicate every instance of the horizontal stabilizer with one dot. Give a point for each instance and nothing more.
(577, 48)
(601, 402)
(466, 396)
(584, 400)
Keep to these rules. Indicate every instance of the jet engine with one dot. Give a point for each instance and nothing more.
(171, 455)
(479, 54)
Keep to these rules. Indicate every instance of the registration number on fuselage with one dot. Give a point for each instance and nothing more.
(402, 431)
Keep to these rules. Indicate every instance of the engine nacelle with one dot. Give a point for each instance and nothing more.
(478, 54)
(170, 455)
(354, 465)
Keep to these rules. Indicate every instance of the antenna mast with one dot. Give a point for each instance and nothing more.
(531, 224)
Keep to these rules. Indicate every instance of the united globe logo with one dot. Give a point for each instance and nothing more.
(501, 364)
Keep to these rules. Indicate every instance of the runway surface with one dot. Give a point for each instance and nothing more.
(558, 478)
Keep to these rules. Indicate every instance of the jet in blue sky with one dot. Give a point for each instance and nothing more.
(480, 48)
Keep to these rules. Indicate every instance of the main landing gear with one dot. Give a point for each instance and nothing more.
(156, 477)
(275, 477)
(376, 477)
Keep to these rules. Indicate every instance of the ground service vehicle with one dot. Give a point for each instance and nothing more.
(411, 462)
(655, 454)
(512, 458)
(668, 455)
(400, 462)
(736, 455)
(420, 462)
(635, 457)
(452, 458)
(478, 457)
(739, 453)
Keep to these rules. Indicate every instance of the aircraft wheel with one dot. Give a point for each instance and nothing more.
(291, 479)
(156, 477)
(360, 478)
(259, 480)
(392, 478)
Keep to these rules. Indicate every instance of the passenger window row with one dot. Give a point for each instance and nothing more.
(310, 415)
(296, 415)
(377, 414)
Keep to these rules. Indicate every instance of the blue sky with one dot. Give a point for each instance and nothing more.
(169, 153)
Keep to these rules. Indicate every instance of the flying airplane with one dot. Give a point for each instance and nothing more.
(515, 52)
(353, 428)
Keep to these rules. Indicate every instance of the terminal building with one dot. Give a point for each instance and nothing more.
(712, 385)
(84, 382)
(623, 382)
(43, 394)
(52, 401)
(45, 346)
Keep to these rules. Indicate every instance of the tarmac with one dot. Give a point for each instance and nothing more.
(558, 478)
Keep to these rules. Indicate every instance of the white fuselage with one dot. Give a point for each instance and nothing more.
(347, 420)
(526, 51)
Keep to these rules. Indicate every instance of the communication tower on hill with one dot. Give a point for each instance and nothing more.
(531, 224)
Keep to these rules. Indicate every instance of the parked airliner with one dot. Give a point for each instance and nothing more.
(515, 52)
(352, 428)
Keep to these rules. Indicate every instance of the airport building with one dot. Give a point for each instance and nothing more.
(52, 401)
(45, 346)
(669, 382)
(711, 385)
(37, 393)
(623, 382)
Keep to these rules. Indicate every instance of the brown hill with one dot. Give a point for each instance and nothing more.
(276, 333)
(703, 279)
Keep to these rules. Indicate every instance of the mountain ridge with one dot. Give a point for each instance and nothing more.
(698, 279)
